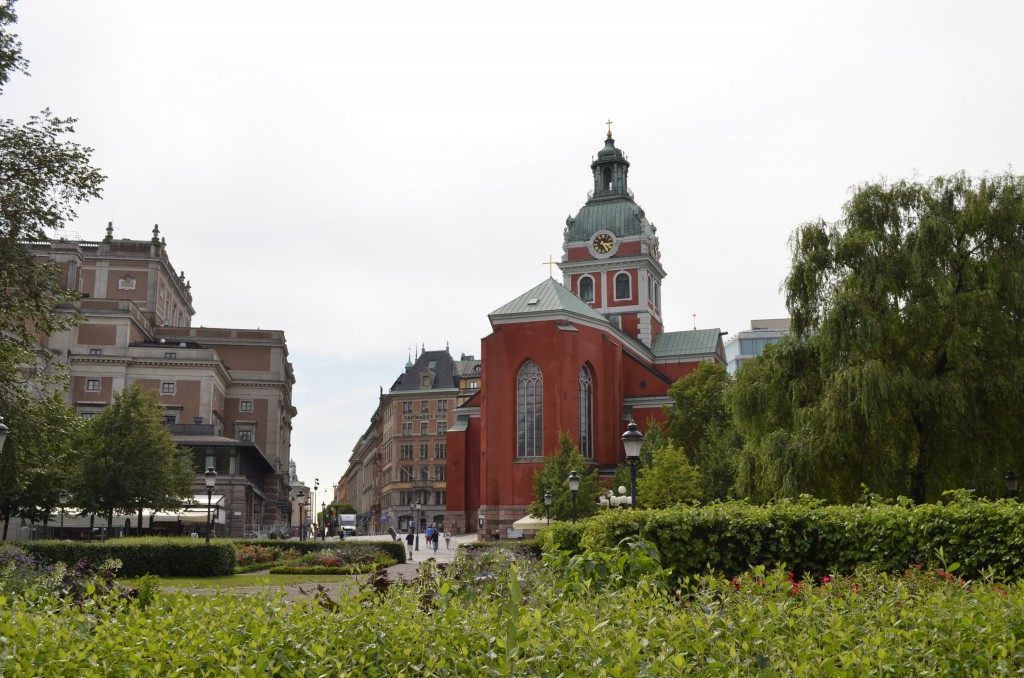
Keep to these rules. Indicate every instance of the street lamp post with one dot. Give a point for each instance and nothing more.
(1011, 484)
(574, 487)
(323, 521)
(211, 480)
(547, 506)
(63, 499)
(302, 526)
(631, 442)
(416, 532)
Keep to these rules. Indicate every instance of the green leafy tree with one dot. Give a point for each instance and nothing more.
(130, 460)
(553, 477)
(910, 312)
(701, 425)
(43, 175)
(774, 400)
(38, 459)
(670, 480)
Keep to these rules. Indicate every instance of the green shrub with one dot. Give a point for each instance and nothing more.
(806, 536)
(163, 556)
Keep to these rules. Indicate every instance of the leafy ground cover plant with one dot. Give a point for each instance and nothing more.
(521, 619)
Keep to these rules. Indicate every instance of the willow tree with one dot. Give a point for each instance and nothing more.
(913, 306)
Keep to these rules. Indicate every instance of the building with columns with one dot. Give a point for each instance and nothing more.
(584, 355)
(226, 393)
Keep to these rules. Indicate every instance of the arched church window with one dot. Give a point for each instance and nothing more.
(587, 289)
(607, 183)
(586, 413)
(622, 286)
(530, 411)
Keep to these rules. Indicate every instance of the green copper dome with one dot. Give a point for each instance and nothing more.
(610, 206)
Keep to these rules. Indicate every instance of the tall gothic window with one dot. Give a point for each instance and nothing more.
(587, 289)
(530, 411)
(586, 413)
(622, 286)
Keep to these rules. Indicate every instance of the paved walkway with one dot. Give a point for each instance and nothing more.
(410, 570)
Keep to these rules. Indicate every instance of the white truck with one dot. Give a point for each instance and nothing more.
(347, 522)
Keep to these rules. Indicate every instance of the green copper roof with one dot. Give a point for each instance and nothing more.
(691, 342)
(544, 298)
(620, 215)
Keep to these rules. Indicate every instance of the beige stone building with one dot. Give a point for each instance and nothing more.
(227, 393)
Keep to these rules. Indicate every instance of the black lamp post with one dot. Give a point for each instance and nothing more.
(312, 503)
(63, 499)
(631, 442)
(415, 527)
(416, 531)
(302, 525)
(211, 480)
(574, 487)
(1011, 483)
(323, 521)
(547, 506)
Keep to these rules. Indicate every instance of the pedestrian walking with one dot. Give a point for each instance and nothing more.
(408, 542)
(448, 539)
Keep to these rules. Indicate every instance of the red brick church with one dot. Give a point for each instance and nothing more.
(583, 356)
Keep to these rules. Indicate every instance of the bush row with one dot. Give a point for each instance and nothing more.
(807, 536)
(520, 622)
(163, 556)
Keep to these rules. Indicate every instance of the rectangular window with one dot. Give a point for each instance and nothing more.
(245, 436)
(425, 473)
(407, 407)
(439, 472)
(442, 427)
(95, 351)
(245, 405)
(407, 428)
(406, 451)
(167, 388)
(406, 474)
(442, 405)
(424, 450)
(440, 451)
(92, 384)
(170, 355)
(424, 428)
(169, 419)
(439, 497)
(423, 406)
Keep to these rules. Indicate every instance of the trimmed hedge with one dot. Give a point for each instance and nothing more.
(807, 536)
(163, 556)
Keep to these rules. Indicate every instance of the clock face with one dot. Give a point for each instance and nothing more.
(603, 243)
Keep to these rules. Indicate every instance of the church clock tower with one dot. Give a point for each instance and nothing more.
(610, 256)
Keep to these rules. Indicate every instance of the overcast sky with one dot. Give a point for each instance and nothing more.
(374, 176)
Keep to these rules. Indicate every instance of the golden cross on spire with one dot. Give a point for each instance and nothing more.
(609, 123)
(550, 263)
